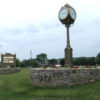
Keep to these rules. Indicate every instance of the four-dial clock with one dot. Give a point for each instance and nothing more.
(63, 13)
(72, 13)
(67, 15)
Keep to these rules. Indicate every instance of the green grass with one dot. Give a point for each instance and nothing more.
(16, 86)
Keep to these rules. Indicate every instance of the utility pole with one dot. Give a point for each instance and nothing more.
(30, 54)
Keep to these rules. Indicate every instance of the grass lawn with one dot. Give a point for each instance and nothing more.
(16, 86)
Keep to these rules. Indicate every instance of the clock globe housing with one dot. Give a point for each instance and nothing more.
(67, 15)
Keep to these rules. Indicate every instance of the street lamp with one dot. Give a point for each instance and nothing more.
(67, 16)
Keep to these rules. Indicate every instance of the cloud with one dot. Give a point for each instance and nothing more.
(34, 24)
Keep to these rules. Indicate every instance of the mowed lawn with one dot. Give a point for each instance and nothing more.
(16, 86)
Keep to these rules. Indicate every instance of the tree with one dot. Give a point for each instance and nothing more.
(52, 61)
(29, 62)
(42, 59)
(18, 63)
(97, 58)
(62, 62)
(84, 61)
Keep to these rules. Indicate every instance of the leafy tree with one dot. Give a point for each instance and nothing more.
(42, 59)
(18, 63)
(52, 61)
(84, 61)
(98, 59)
(62, 62)
(29, 62)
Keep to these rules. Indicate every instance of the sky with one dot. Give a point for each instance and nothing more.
(34, 25)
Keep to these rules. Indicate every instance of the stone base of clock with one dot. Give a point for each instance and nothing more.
(68, 57)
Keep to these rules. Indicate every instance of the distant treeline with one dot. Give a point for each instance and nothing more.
(84, 60)
(76, 61)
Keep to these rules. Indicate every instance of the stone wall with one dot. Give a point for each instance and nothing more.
(68, 77)
(9, 70)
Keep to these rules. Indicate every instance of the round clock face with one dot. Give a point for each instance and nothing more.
(63, 13)
(72, 13)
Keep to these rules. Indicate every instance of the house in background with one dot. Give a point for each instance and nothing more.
(8, 59)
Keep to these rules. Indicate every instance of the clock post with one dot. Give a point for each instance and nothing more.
(67, 16)
(68, 51)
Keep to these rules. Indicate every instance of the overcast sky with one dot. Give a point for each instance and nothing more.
(34, 24)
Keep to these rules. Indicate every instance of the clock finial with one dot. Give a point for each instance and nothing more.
(67, 5)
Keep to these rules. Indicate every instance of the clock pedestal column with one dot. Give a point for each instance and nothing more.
(68, 51)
